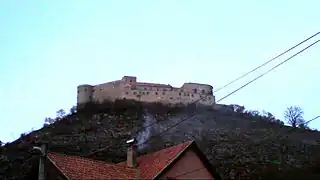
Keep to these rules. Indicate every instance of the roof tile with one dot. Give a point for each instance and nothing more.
(149, 165)
(82, 168)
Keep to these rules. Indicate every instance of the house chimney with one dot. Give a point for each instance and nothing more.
(131, 154)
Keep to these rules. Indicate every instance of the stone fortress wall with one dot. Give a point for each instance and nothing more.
(129, 88)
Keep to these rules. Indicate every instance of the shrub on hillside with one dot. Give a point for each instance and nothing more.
(131, 107)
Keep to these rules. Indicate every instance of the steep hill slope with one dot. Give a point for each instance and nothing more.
(239, 146)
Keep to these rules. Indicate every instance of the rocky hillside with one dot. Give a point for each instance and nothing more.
(238, 145)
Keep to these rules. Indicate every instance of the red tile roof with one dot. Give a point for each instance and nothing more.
(150, 165)
(75, 167)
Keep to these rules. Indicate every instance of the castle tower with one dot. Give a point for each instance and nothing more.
(85, 93)
(129, 79)
(204, 90)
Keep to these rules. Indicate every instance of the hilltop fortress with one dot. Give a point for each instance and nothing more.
(129, 88)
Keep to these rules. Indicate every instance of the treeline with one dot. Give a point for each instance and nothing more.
(122, 108)
(253, 114)
(293, 115)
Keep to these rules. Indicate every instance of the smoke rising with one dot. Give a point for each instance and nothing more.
(146, 133)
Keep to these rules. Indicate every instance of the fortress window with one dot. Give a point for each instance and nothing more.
(131, 81)
(148, 93)
(171, 97)
(202, 91)
(156, 93)
(195, 90)
(145, 88)
(157, 89)
(134, 93)
(179, 93)
(191, 95)
(143, 93)
(127, 93)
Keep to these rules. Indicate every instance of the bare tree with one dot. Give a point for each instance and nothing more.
(60, 114)
(294, 116)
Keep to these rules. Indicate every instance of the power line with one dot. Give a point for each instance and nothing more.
(244, 74)
(198, 169)
(185, 119)
(150, 125)
(226, 97)
(194, 102)
(266, 62)
(268, 71)
(311, 120)
(266, 138)
(305, 123)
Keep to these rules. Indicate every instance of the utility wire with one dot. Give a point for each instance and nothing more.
(198, 169)
(187, 118)
(305, 123)
(175, 125)
(311, 120)
(246, 73)
(268, 71)
(150, 125)
(147, 126)
(184, 119)
(266, 62)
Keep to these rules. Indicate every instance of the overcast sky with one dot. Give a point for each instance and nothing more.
(49, 47)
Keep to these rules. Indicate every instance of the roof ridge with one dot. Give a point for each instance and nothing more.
(71, 165)
(159, 160)
(89, 159)
(187, 143)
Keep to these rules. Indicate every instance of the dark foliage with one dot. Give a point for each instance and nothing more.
(240, 144)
